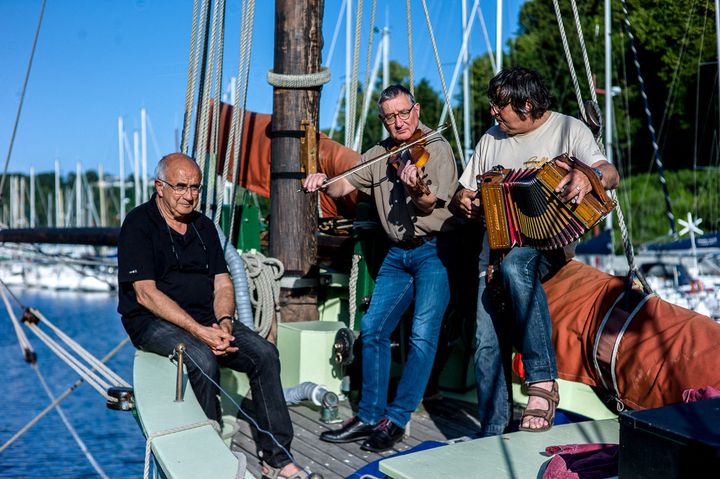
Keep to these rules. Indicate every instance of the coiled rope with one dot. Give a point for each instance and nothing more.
(307, 80)
(263, 276)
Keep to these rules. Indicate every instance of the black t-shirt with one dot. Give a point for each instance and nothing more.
(183, 266)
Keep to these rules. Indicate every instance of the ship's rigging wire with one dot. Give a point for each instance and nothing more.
(239, 108)
(624, 233)
(82, 362)
(248, 417)
(22, 98)
(78, 440)
(366, 90)
(458, 143)
(648, 115)
(86, 374)
(410, 49)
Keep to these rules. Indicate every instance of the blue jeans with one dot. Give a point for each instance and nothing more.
(255, 356)
(528, 327)
(418, 274)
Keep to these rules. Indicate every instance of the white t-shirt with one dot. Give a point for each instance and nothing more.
(559, 134)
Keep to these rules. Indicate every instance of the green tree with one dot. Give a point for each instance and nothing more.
(675, 47)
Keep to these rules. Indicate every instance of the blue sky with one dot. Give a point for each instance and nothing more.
(97, 60)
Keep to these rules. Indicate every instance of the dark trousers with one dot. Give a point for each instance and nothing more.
(256, 357)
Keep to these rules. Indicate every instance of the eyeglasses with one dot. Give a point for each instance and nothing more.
(190, 267)
(182, 188)
(389, 119)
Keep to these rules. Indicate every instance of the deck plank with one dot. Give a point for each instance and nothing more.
(447, 420)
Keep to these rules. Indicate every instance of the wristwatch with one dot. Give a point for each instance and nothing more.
(598, 172)
(227, 316)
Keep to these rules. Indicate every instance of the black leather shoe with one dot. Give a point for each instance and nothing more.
(352, 430)
(385, 435)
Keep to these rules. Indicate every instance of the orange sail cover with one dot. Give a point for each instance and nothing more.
(254, 173)
(647, 351)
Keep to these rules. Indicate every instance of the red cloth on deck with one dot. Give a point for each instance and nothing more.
(582, 461)
(665, 349)
(255, 153)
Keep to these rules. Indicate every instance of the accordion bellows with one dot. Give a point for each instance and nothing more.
(522, 208)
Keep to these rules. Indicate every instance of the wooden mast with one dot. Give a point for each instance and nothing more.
(293, 220)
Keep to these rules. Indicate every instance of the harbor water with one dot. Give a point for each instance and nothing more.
(48, 449)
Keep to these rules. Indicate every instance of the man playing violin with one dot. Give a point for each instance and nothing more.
(414, 269)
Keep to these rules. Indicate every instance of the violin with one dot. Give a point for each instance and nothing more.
(421, 154)
(417, 155)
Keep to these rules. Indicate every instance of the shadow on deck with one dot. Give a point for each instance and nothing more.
(441, 420)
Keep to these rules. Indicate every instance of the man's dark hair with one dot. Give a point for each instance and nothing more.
(518, 86)
(393, 91)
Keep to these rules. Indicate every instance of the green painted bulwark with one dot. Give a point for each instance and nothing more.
(306, 353)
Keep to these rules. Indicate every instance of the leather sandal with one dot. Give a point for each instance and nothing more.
(552, 397)
(269, 472)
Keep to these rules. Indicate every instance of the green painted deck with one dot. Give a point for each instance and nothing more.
(154, 385)
(201, 452)
(519, 455)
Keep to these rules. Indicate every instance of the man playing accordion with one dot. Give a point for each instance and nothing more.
(527, 134)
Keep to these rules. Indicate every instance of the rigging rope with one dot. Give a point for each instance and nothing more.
(69, 426)
(22, 99)
(238, 119)
(294, 80)
(458, 144)
(350, 110)
(568, 58)
(410, 49)
(196, 39)
(624, 233)
(212, 72)
(366, 90)
(33, 318)
(211, 195)
(60, 398)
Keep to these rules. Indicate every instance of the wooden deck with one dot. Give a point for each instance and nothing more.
(438, 420)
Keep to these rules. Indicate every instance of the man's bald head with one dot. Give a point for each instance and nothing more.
(174, 161)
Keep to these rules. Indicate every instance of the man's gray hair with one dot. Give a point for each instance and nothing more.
(394, 91)
(161, 168)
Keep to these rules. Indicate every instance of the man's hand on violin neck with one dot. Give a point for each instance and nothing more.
(408, 173)
(314, 182)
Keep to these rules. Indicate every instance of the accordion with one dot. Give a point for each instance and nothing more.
(522, 208)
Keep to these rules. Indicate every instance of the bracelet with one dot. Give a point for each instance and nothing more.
(223, 318)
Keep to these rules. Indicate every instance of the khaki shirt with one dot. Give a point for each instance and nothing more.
(400, 219)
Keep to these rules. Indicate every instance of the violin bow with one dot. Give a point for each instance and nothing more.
(397, 150)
